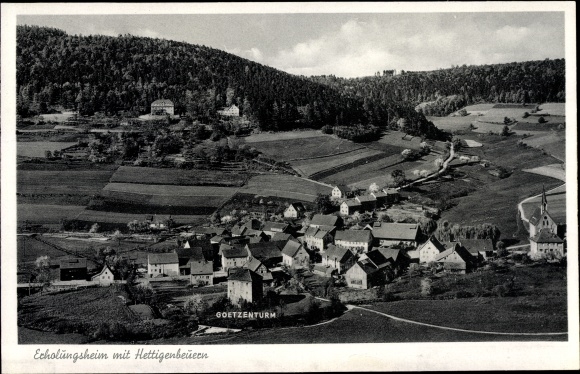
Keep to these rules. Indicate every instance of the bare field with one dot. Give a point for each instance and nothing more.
(363, 172)
(75, 182)
(400, 139)
(453, 123)
(267, 137)
(47, 214)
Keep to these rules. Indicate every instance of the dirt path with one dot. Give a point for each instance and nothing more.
(435, 174)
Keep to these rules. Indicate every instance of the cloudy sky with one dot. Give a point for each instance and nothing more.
(347, 45)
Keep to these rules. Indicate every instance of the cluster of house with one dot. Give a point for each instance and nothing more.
(364, 203)
(164, 106)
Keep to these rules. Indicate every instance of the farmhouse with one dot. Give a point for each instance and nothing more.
(186, 256)
(72, 268)
(368, 272)
(294, 210)
(478, 247)
(281, 237)
(348, 207)
(386, 234)
(159, 222)
(339, 258)
(244, 285)
(430, 249)
(325, 220)
(239, 231)
(105, 277)
(231, 111)
(317, 239)
(162, 107)
(340, 192)
(268, 253)
(546, 243)
(393, 195)
(294, 255)
(358, 241)
(381, 197)
(204, 245)
(201, 272)
(234, 257)
(162, 264)
(456, 260)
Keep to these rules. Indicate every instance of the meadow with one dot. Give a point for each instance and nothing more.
(38, 149)
(72, 182)
(453, 123)
(165, 176)
(92, 216)
(278, 136)
(330, 163)
(47, 214)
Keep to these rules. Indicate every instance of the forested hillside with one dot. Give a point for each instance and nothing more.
(517, 82)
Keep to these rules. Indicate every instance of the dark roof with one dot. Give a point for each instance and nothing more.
(338, 253)
(436, 243)
(379, 194)
(193, 253)
(320, 234)
(461, 251)
(209, 230)
(390, 191)
(291, 248)
(324, 219)
(256, 239)
(392, 253)
(378, 259)
(201, 267)
(367, 266)
(265, 250)
(245, 275)
(163, 258)
(343, 188)
(224, 246)
(366, 199)
(352, 203)
(280, 236)
(546, 236)
(239, 230)
(275, 226)
(354, 236)
(234, 252)
(253, 224)
(73, 263)
(477, 245)
(253, 264)
(396, 231)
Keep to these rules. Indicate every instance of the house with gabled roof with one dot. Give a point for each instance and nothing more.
(105, 277)
(349, 207)
(295, 255)
(205, 244)
(359, 241)
(258, 266)
(339, 258)
(340, 191)
(400, 258)
(162, 107)
(393, 195)
(368, 272)
(295, 211)
(367, 202)
(456, 260)
(482, 248)
(234, 257)
(381, 198)
(244, 285)
(201, 272)
(270, 228)
(269, 253)
(386, 234)
(162, 264)
(430, 249)
(238, 230)
(317, 239)
(187, 255)
(281, 237)
(546, 243)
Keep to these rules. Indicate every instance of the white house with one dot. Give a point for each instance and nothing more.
(359, 241)
(339, 258)
(339, 192)
(105, 277)
(231, 111)
(546, 243)
(162, 264)
(161, 107)
(430, 249)
(244, 285)
(294, 210)
(317, 239)
(234, 258)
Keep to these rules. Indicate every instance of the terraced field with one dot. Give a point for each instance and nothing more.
(311, 167)
(305, 148)
(74, 182)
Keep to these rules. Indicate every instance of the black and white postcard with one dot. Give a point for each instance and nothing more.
(289, 187)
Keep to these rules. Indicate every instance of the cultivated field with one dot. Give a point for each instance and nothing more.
(555, 171)
(305, 148)
(190, 196)
(154, 176)
(364, 171)
(401, 140)
(45, 214)
(331, 164)
(277, 136)
(554, 109)
(553, 143)
(285, 186)
(38, 149)
(72, 182)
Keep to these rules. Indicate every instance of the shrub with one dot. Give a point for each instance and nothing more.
(426, 287)
(463, 294)
(542, 120)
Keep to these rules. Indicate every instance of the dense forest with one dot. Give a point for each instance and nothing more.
(127, 73)
(452, 89)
